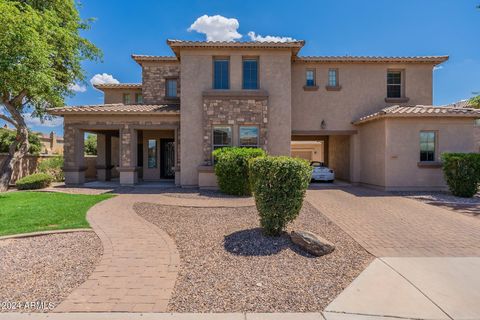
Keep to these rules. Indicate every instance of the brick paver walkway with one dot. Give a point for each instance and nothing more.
(139, 265)
(389, 225)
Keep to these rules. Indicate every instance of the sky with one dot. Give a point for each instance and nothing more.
(348, 27)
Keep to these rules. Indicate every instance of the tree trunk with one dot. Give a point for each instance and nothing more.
(17, 150)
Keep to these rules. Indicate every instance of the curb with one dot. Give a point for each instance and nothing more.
(43, 233)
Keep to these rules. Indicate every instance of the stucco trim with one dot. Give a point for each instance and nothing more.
(310, 88)
(333, 88)
(429, 164)
(231, 94)
(323, 132)
(397, 100)
(206, 169)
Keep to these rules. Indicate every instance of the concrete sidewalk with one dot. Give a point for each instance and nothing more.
(412, 288)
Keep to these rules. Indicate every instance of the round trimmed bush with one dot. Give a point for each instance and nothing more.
(279, 185)
(462, 173)
(34, 181)
(231, 169)
(53, 167)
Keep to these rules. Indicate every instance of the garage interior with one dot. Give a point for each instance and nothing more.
(332, 150)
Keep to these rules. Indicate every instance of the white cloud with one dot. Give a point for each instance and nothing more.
(217, 28)
(77, 87)
(437, 68)
(35, 121)
(260, 38)
(103, 78)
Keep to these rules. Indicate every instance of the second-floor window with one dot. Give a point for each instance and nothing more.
(310, 78)
(221, 73)
(126, 98)
(427, 145)
(250, 73)
(171, 88)
(394, 84)
(333, 77)
(138, 98)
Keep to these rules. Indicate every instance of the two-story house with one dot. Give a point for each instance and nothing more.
(371, 119)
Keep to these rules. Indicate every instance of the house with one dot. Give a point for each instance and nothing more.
(51, 143)
(370, 119)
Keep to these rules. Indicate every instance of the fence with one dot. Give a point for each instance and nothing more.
(29, 164)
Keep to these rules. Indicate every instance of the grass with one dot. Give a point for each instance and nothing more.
(22, 212)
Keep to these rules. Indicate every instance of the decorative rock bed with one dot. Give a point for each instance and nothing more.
(227, 265)
(43, 270)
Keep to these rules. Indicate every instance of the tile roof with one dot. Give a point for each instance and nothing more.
(373, 59)
(142, 58)
(176, 44)
(117, 85)
(117, 108)
(419, 111)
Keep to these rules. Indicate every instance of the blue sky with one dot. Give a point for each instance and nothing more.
(374, 27)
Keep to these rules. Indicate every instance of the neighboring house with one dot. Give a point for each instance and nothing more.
(51, 144)
(368, 118)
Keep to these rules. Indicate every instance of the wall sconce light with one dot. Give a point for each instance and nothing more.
(323, 125)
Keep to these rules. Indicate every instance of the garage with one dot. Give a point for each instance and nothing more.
(332, 150)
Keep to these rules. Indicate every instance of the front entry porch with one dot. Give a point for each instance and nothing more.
(125, 154)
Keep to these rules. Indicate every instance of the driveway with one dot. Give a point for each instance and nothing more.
(428, 256)
(395, 226)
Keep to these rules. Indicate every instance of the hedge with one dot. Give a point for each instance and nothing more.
(53, 167)
(462, 173)
(34, 181)
(279, 185)
(231, 169)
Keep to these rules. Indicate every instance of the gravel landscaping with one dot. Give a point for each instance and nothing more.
(45, 269)
(195, 193)
(227, 265)
(467, 206)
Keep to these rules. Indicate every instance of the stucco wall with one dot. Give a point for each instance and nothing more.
(196, 77)
(363, 91)
(372, 153)
(339, 156)
(402, 152)
(116, 95)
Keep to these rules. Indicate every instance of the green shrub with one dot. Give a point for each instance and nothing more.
(462, 173)
(53, 167)
(279, 185)
(231, 169)
(34, 181)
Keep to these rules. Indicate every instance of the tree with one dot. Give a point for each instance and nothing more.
(91, 144)
(474, 102)
(41, 51)
(7, 138)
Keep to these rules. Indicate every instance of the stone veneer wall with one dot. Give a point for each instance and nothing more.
(154, 77)
(233, 112)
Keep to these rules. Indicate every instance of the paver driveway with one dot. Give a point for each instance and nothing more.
(140, 261)
(388, 225)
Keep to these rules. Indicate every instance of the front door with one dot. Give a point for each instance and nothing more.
(151, 157)
(167, 155)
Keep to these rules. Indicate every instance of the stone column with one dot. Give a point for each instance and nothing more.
(104, 157)
(74, 163)
(128, 156)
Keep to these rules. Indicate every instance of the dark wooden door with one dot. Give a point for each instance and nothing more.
(167, 156)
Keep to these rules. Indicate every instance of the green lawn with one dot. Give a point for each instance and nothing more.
(22, 212)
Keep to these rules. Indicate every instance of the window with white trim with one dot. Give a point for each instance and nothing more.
(427, 145)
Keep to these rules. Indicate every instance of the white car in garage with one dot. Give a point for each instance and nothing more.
(321, 172)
